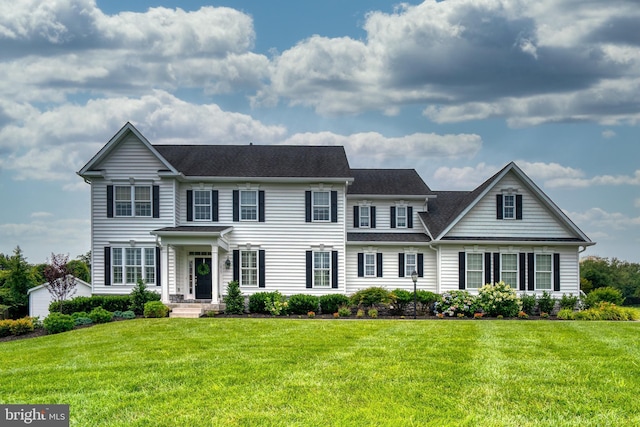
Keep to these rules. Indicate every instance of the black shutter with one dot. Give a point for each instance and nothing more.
(556, 272)
(360, 264)
(372, 221)
(496, 267)
(309, 269)
(356, 216)
(236, 265)
(189, 205)
(109, 201)
(261, 268)
(531, 272)
(214, 205)
(158, 268)
(334, 206)
(261, 206)
(236, 205)
(523, 274)
(401, 264)
(393, 217)
(461, 270)
(420, 265)
(156, 201)
(499, 206)
(107, 265)
(409, 216)
(334, 269)
(379, 264)
(307, 206)
(487, 267)
(518, 206)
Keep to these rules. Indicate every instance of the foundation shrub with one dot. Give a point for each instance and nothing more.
(155, 309)
(528, 304)
(139, 296)
(546, 303)
(86, 304)
(21, 326)
(302, 303)
(330, 303)
(258, 302)
(426, 300)
(568, 302)
(400, 300)
(234, 300)
(456, 303)
(100, 315)
(55, 323)
(344, 311)
(370, 297)
(128, 314)
(604, 294)
(80, 321)
(499, 298)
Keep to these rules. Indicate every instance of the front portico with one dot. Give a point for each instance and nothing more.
(194, 263)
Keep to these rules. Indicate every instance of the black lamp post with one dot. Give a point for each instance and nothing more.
(414, 277)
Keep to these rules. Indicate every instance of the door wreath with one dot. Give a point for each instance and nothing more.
(203, 269)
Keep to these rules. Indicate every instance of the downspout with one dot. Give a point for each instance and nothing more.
(437, 251)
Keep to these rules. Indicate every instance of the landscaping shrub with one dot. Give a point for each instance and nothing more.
(117, 314)
(330, 303)
(276, 304)
(21, 326)
(605, 294)
(546, 303)
(568, 302)
(454, 303)
(5, 327)
(360, 313)
(373, 313)
(155, 309)
(86, 304)
(603, 311)
(528, 304)
(234, 301)
(370, 297)
(128, 314)
(55, 323)
(80, 321)
(258, 302)
(344, 311)
(499, 298)
(426, 300)
(302, 303)
(400, 300)
(139, 296)
(100, 315)
(79, 314)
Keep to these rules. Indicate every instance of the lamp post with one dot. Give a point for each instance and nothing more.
(414, 277)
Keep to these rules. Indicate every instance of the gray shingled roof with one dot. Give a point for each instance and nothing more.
(388, 237)
(516, 239)
(259, 161)
(404, 182)
(193, 229)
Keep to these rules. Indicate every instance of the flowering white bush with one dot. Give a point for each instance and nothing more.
(499, 299)
(454, 303)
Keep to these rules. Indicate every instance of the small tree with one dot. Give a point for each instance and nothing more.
(234, 301)
(61, 284)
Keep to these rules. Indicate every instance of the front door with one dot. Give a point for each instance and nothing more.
(203, 278)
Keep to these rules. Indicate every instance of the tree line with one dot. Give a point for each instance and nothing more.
(597, 272)
(17, 276)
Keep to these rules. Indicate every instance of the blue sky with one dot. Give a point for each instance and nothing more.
(454, 89)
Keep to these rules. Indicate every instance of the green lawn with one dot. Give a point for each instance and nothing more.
(201, 372)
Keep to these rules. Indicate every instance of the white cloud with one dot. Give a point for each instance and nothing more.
(608, 134)
(464, 178)
(637, 203)
(600, 218)
(41, 214)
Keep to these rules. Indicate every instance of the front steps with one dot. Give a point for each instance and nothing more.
(193, 310)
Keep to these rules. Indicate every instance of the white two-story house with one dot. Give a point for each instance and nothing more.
(188, 219)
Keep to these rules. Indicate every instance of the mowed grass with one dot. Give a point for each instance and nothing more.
(262, 372)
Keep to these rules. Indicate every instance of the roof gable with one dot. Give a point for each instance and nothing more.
(391, 182)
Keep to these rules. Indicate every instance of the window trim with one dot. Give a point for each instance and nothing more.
(405, 216)
(374, 266)
(133, 202)
(143, 266)
(242, 206)
(315, 206)
(549, 272)
(516, 285)
(243, 268)
(511, 206)
(315, 270)
(195, 205)
(367, 216)
(468, 270)
(408, 273)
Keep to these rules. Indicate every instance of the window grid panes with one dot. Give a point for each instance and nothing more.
(128, 265)
(202, 205)
(401, 216)
(132, 201)
(509, 206)
(321, 206)
(509, 269)
(321, 269)
(365, 215)
(543, 271)
(133, 264)
(116, 261)
(248, 205)
(370, 265)
(475, 271)
(410, 264)
(123, 201)
(249, 268)
(149, 265)
(143, 201)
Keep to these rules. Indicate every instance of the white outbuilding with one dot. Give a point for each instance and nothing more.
(40, 298)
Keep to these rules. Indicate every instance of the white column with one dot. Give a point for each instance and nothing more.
(164, 280)
(215, 279)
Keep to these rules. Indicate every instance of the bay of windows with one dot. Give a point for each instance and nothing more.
(132, 264)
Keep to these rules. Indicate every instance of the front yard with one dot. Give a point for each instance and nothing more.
(196, 372)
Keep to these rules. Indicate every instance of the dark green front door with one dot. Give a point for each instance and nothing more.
(203, 278)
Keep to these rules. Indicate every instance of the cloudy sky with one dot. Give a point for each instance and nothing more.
(455, 89)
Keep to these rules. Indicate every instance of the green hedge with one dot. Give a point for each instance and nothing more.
(108, 302)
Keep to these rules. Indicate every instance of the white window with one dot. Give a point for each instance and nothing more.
(365, 216)
(321, 206)
(509, 206)
(475, 270)
(129, 197)
(127, 265)
(370, 265)
(249, 268)
(202, 205)
(543, 271)
(410, 264)
(401, 216)
(509, 269)
(321, 270)
(248, 205)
